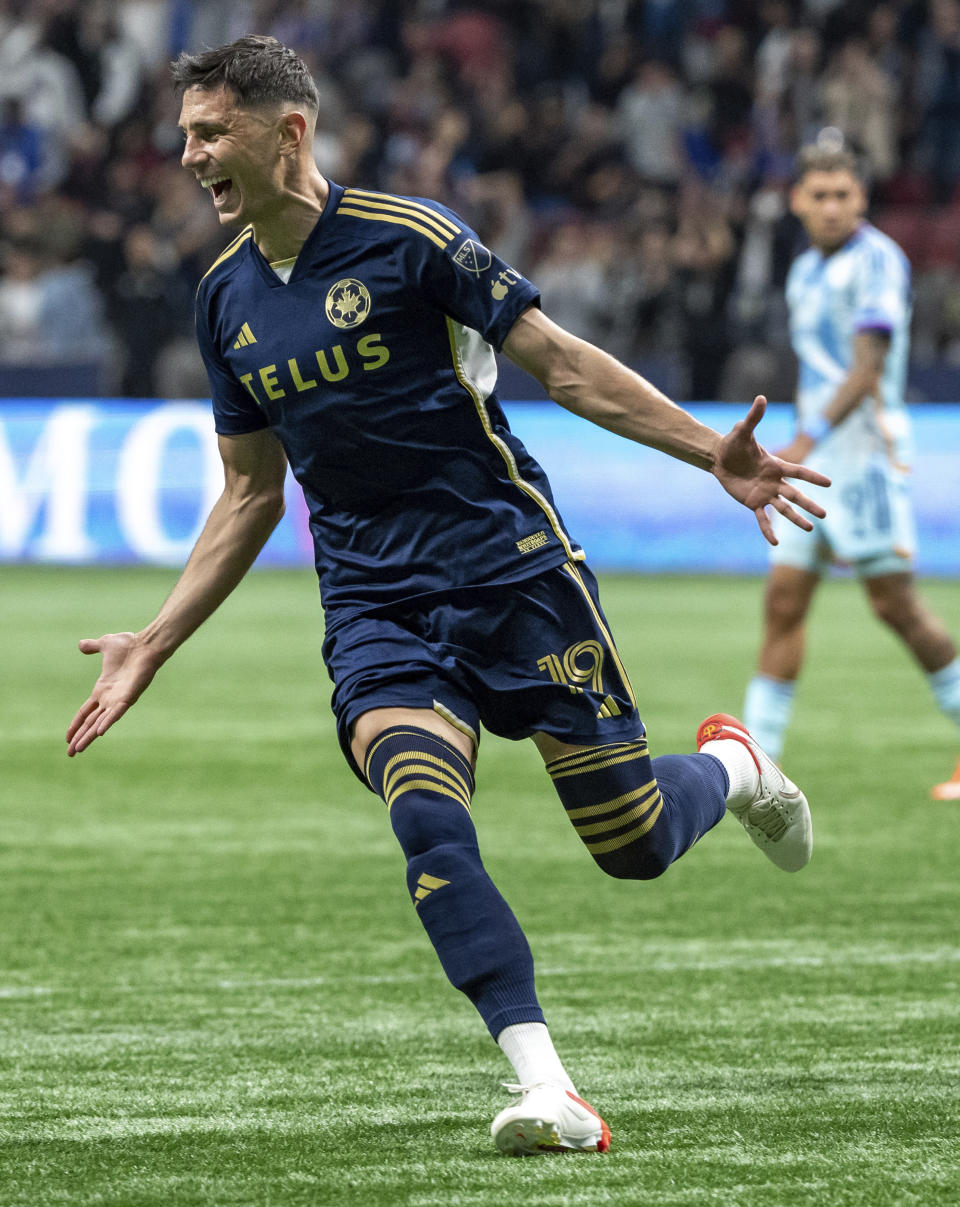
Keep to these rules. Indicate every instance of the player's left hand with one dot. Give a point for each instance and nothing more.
(758, 479)
(125, 673)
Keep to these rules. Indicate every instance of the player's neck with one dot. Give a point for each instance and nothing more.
(828, 249)
(283, 230)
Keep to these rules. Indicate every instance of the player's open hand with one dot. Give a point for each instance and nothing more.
(758, 479)
(126, 671)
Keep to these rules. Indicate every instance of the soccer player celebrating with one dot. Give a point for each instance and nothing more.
(351, 335)
(849, 300)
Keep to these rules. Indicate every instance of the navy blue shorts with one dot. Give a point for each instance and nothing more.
(518, 658)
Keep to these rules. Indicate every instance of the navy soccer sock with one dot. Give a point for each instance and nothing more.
(634, 814)
(427, 786)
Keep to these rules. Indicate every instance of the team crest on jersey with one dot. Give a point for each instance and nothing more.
(348, 303)
(473, 257)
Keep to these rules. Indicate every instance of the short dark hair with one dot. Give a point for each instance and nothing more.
(259, 69)
(820, 157)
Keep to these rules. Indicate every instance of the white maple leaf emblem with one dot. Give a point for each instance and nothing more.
(349, 304)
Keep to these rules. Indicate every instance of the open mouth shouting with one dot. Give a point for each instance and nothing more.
(219, 187)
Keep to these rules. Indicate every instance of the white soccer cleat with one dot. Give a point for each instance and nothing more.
(548, 1119)
(777, 818)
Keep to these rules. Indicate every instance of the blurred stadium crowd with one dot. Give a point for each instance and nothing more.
(632, 157)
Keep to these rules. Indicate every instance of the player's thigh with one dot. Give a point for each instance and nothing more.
(799, 550)
(370, 725)
(552, 748)
(388, 669)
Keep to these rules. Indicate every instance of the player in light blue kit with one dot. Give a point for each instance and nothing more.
(849, 303)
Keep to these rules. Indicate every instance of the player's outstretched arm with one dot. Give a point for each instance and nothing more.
(236, 530)
(585, 380)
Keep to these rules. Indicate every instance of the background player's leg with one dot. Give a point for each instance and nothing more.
(769, 700)
(896, 601)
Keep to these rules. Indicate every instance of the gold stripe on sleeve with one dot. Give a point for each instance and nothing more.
(396, 220)
(401, 205)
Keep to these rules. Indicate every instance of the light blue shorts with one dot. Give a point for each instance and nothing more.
(869, 524)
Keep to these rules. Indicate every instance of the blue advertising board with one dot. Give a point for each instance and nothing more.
(123, 482)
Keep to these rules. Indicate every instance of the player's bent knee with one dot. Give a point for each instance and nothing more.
(640, 862)
(422, 826)
(376, 723)
(426, 784)
(900, 612)
(784, 609)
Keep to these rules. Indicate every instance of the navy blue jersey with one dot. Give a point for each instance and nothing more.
(374, 365)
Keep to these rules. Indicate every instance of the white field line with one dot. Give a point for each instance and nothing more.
(694, 962)
(841, 957)
(314, 982)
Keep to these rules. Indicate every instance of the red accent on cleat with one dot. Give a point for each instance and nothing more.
(603, 1144)
(949, 790)
(549, 1119)
(722, 726)
(777, 818)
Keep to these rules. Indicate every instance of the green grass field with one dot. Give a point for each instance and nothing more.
(214, 990)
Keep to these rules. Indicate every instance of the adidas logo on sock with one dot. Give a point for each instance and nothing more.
(426, 885)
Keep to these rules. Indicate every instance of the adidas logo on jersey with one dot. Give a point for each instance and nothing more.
(245, 337)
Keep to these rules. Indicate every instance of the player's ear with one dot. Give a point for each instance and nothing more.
(796, 199)
(291, 131)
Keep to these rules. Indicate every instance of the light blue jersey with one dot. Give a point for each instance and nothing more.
(864, 286)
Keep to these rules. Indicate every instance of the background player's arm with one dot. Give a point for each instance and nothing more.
(237, 528)
(585, 380)
(870, 350)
